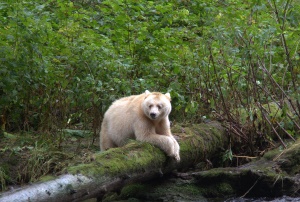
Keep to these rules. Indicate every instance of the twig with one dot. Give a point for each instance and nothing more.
(250, 188)
(274, 159)
(268, 93)
(296, 124)
(277, 180)
(247, 157)
(287, 133)
(269, 122)
(283, 92)
(218, 86)
(284, 44)
(235, 131)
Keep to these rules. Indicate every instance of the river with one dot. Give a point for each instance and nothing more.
(262, 199)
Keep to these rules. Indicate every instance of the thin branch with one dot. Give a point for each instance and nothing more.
(286, 132)
(227, 112)
(269, 94)
(269, 122)
(278, 86)
(247, 157)
(250, 188)
(286, 49)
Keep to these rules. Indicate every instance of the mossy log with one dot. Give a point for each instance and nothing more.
(135, 162)
(274, 175)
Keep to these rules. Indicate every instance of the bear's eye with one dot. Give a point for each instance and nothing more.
(159, 106)
(150, 106)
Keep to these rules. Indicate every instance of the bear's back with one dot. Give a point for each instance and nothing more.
(125, 105)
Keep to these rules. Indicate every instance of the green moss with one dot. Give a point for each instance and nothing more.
(175, 190)
(270, 155)
(132, 190)
(217, 182)
(188, 189)
(216, 174)
(177, 128)
(200, 140)
(290, 158)
(191, 148)
(111, 196)
(225, 189)
(220, 189)
(133, 157)
(211, 133)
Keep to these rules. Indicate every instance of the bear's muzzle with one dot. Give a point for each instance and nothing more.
(153, 115)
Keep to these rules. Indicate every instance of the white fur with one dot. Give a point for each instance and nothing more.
(143, 117)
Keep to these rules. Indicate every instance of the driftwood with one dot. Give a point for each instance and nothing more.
(115, 168)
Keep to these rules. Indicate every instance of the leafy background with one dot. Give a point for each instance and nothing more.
(64, 62)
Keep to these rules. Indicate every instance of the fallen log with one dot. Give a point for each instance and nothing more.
(276, 174)
(115, 168)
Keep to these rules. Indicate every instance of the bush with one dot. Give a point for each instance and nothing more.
(64, 62)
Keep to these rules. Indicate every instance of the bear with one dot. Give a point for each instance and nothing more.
(143, 117)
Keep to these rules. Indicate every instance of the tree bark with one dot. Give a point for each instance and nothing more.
(135, 162)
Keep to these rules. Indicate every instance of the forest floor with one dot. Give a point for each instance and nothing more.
(30, 157)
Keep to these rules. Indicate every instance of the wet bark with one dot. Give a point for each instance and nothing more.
(135, 162)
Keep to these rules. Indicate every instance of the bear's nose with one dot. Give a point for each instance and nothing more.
(153, 115)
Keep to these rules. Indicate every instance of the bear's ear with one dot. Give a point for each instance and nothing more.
(147, 93)
(168, 96)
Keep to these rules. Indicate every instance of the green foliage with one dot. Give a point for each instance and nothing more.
(64, 62)
(227, 155)
(3, 177)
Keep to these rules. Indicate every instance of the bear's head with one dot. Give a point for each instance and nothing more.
(156, 105)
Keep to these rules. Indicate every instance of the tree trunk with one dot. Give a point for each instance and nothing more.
(135, 162)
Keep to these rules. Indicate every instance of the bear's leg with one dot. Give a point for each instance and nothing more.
(164, 129)
(166, 143)
(176, 146)
(105, 141)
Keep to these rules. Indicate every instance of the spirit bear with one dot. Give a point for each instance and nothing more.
(143, 117)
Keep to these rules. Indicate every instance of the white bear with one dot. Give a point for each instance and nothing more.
(143, 117)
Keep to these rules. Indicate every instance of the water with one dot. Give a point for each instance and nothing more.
(264, 199)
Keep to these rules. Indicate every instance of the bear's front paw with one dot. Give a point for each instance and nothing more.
(176, 150)
(175, 154)
(177, 157)
(172, 148)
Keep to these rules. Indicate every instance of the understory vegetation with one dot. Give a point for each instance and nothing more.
(63, 62)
